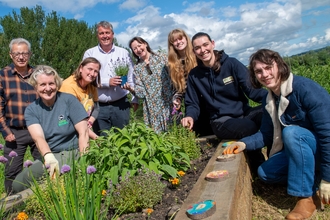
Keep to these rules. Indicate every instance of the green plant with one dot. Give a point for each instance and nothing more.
(182, 136)
(133, 147)
(143, 190)
(75, 194)
(121, 67)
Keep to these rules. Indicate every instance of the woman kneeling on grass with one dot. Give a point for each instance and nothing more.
(57, 123)
(296, 125)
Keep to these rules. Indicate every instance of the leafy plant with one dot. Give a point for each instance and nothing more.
(143, 190)
(182, 136)
(121, 67)
(133, 147)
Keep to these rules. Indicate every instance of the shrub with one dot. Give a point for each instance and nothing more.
(143, 190)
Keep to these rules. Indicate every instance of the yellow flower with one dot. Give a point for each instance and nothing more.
(175, 181)
(22, 216)
(104, 192)
(181, 173)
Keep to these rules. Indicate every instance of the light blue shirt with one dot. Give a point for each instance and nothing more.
(109, 93)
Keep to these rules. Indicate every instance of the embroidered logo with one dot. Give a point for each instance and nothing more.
(62, 121)
(228, 80)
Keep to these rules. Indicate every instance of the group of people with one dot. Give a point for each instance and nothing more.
(215, 89)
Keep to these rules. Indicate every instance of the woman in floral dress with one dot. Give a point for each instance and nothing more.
(152, 84)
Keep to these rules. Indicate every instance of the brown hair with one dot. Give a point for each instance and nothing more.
(77, 73)
(177, 70)
(218, 54)
(141, 41)
(268, 57)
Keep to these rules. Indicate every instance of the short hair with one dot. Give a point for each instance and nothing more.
(200, 34)
(104, 24)
(46, 70)
(267, 56)
(141, 41)
(77, 74)
(19, 41)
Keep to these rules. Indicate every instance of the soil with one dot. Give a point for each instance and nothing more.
(173, 198)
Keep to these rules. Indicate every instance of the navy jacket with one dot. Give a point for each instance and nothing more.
(303, 103)
(225, 93)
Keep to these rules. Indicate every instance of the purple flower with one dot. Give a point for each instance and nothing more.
(91, 169)
(174, 111)
(3, 159)
(47, 166)
(13, 154)
(65, 168)
(27, 163)
(1, 146)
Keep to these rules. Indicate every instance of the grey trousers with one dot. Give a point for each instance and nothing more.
(37, 170)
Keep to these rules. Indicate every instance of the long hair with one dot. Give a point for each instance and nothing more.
(178, 70)
(218, 54)
(268, 57)
(77, 73)
(141, 41)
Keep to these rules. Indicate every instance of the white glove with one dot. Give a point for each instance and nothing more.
(51, 161)
(234, 148)
(325, 191)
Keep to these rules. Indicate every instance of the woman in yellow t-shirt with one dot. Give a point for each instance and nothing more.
(83, 85)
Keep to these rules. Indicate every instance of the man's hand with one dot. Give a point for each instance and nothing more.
(234, 148)
(187, 122)
(115, 81)
(325, 192)
(51, 161)
(10, 137)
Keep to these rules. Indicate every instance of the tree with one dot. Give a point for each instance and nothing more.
(55, 41)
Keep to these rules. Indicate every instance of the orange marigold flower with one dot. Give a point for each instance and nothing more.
(22, 216)
(175, 181)
(149, 211)
(181, 173)
(104, 192)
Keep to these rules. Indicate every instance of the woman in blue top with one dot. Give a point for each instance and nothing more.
(296, 126)
(57, 123)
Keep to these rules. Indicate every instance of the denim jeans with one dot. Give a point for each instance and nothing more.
(113, 114)
(296, 164)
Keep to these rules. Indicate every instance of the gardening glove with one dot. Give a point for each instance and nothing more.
(325, 191)
(234, 148)
(51, 161)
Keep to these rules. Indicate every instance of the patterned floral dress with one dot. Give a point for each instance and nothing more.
(153, 85)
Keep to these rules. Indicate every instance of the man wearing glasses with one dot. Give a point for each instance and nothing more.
(16, 94)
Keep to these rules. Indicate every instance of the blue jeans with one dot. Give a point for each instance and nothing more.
(296, 164)
(113, 114)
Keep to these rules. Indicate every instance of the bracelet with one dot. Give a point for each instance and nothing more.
(47, 153)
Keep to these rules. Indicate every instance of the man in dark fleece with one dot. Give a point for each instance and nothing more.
(224, 84)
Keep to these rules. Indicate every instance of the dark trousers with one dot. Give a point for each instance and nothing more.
(237, 128)
(15, 164)
(202, 126)
(112, 114)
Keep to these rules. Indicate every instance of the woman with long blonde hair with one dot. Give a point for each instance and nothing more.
(181, 60)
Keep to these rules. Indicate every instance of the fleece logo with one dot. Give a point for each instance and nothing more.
(228, 80)
(62, 121)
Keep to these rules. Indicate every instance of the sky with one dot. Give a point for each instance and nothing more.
(238, 27)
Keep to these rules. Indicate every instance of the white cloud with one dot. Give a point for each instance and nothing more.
(132, 4)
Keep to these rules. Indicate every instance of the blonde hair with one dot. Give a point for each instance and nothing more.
(177, 70)
(46, 70)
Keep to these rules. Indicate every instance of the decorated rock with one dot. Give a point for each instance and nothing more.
(201, 210)
(226, 157)
(217, 176)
